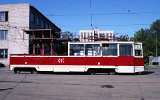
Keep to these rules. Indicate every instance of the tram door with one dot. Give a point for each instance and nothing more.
(126, 58)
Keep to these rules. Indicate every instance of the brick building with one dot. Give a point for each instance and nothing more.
(14, 19)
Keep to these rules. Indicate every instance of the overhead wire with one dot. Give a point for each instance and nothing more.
(91, 14)
(125, 9)
(66, 6)
(117, 5)
(127, 12)
(121, 25)
(103, 14)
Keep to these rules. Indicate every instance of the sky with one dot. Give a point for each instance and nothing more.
(124, 17)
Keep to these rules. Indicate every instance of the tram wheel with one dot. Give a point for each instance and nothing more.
(91, 72)
(112, 73)
(15, 71)
(34, 71)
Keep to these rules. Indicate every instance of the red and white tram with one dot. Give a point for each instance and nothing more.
(91, 57)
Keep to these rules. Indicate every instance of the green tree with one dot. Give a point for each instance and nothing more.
(150, 39)
(155, 28)
(123, 38)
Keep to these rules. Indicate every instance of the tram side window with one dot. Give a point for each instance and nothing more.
(138, 50)
(77, 49)
(109, 49)
(92, 50)
(125, 50)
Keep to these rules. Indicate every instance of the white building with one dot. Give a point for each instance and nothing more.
(14, 19)
(96, 35)
(154, 61)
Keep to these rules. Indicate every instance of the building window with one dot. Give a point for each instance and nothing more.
(47, 26)
(32, 17)
(3, 16)
(43, 24)
(3, 53)
(3, 34)
(39, 21)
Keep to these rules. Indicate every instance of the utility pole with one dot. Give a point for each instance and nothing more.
(156, 43)
(91, 13)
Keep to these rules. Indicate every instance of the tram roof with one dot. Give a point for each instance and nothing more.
(98, 42)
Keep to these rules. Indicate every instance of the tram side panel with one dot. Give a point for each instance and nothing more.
(121, 64)
(43, 63)
(125, 64)
(139, 64)
(20, 61)
(77, 64)
(110, 62)
(130, 64)
(51, 63)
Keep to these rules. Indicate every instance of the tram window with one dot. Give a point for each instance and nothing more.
(92, 50)
(125, 50)
(77, 49)
(109, 49)
(138, 50)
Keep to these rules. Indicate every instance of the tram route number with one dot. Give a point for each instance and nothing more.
(60, 60)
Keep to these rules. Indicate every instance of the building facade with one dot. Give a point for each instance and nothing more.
(154, 61)
(14, 20)
(96, 35)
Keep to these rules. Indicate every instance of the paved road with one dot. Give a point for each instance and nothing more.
(26, 86)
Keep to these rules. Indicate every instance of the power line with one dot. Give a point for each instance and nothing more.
(66, 6)
(125, 9)
(85, 25)
(122, 25)
(116, 13)
(119, 6)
